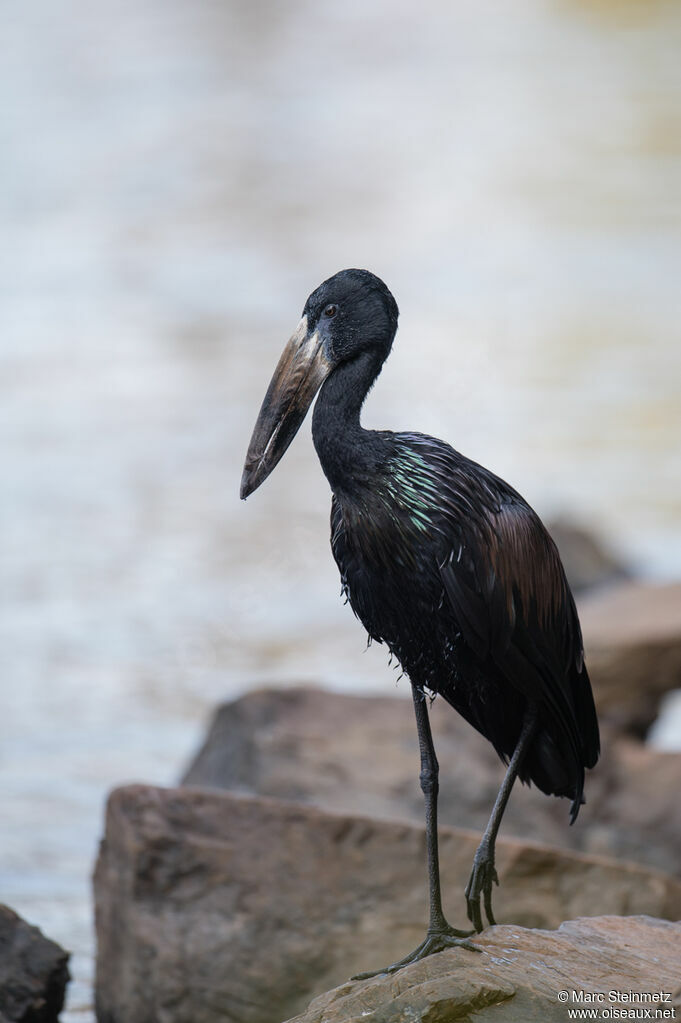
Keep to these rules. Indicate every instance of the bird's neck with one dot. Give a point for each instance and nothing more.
(348, 453)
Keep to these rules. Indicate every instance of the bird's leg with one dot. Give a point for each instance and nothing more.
(484, 874)
(440, 934)
(430, 786)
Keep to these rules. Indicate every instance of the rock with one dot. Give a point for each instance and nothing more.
(33, 972)
(211, 906)
(349, 753)
(360, 755)
(588, 563)
(519, 976)
(632, 635)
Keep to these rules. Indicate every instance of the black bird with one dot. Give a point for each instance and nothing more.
(443, 562)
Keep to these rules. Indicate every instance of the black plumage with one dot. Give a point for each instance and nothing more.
(472, 600)
(443, 562)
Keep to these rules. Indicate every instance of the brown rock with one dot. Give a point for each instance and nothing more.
(211, 906)
(632, 634)
(33, 972)
(360, 755)
(518, 977)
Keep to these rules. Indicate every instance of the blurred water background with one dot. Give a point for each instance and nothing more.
(176, 177)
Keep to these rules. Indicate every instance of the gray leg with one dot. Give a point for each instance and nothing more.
(439, 935)
(484, 873)
(430, 787)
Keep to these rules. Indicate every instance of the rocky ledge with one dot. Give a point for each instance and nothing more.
(524, 977)
(211, 906)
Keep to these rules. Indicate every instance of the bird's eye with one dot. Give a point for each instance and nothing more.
(331, 310)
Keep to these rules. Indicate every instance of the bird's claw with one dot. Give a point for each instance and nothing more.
(434, 941)
(483, 877)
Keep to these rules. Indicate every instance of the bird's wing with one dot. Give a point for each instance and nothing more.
(511, 600)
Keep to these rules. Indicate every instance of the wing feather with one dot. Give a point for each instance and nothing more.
(512, 602)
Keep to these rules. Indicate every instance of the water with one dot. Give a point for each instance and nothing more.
(176, 177)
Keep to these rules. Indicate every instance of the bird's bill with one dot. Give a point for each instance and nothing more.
(301, 371)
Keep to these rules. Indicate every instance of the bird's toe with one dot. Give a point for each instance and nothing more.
(435, 941)
(483, 877)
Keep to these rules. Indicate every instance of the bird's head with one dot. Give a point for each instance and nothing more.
(352, 312)
(350, 315)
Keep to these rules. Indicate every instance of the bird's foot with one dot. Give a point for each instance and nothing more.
(434, 941)
(483, 877)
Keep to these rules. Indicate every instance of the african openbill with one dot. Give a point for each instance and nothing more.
(444, 563)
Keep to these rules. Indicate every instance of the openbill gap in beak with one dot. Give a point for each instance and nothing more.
(301, 371)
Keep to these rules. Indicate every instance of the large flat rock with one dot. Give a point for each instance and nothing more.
(360, 755)
(604, 963)
(33, 972)
(211, 906)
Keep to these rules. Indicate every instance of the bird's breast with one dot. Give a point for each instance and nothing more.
(389, 567)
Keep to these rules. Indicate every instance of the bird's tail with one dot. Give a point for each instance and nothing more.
(547, 766)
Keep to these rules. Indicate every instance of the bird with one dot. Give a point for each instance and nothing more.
(444, 563)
